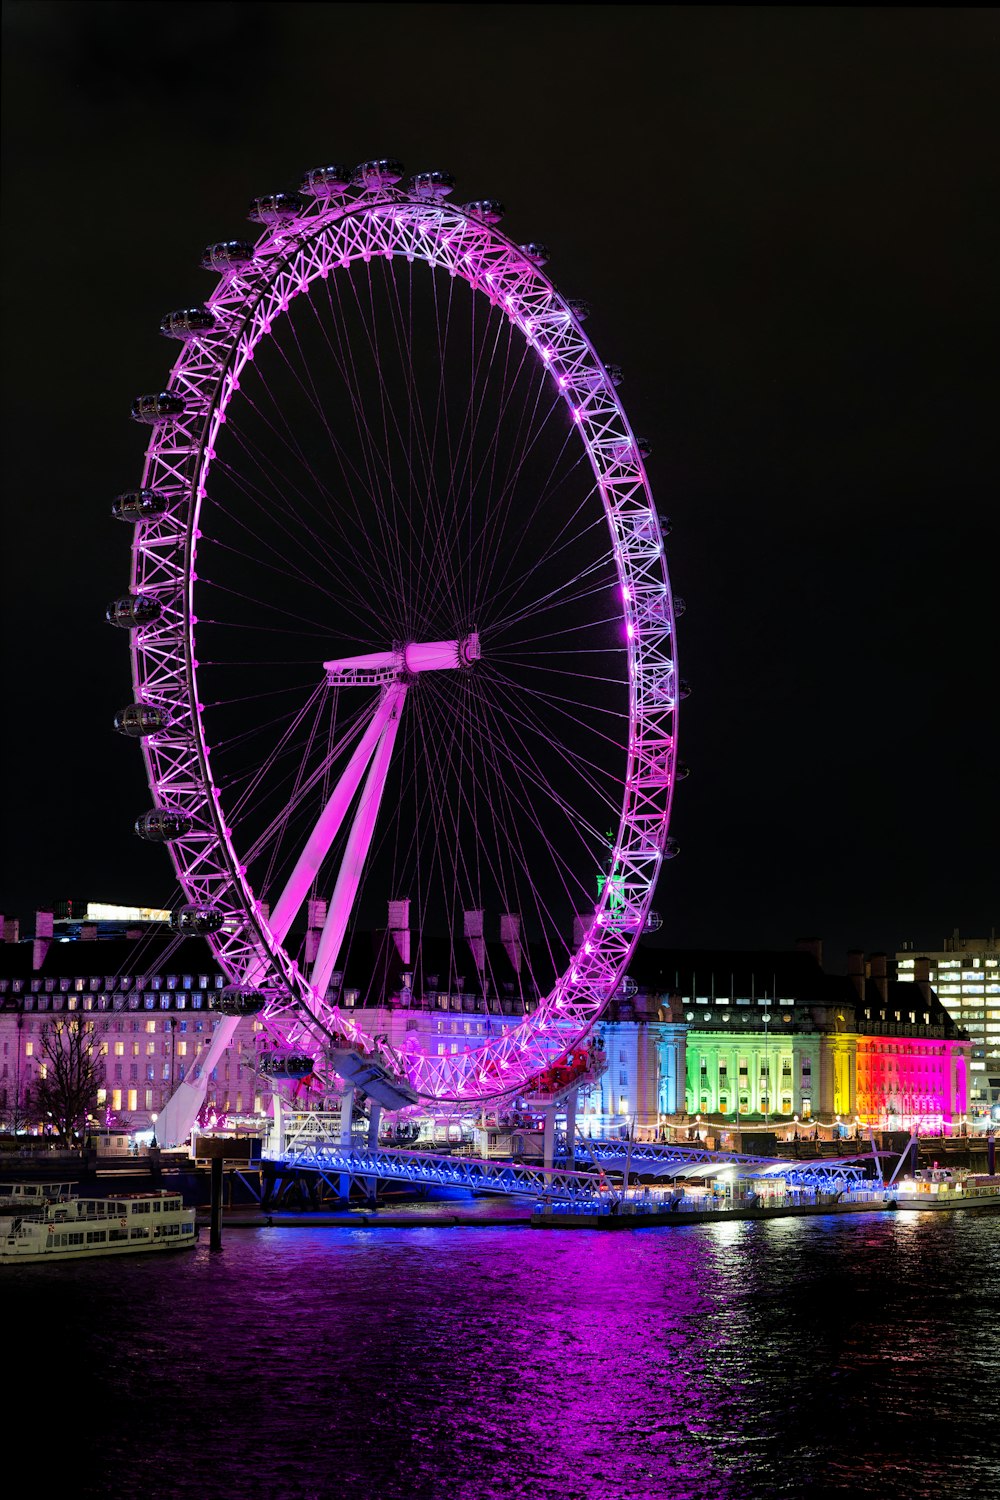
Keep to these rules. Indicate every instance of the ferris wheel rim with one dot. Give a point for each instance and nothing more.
(245, 305)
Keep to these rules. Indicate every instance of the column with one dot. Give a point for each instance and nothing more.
(346, 1112)
(571, 1126)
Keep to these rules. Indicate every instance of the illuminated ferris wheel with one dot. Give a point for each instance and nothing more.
(401, 631)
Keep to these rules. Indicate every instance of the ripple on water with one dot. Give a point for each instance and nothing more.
(779, 1358)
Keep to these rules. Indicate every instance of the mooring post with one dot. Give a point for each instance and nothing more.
(215, 1236)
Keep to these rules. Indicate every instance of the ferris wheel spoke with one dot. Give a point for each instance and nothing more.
(556, 597)
(522, 713)
(344, 580)
(610, 734)
(374, 458)
(403, 439)
(522, 758)
(358, 844)
(491, 743)
(508, 492)
(324, 517)
(328, 824)
(278, 511)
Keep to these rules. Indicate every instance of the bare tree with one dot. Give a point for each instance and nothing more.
(74, 1073)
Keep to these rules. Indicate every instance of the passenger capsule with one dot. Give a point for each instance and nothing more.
(227, 255)
(196, 921)
(683, 688)
(431, 184)
(158, 407)
(682, 771)
(140, 505)
(537, 254)
(133, 611)
(679, 607)
(579, 309)
(644, 446)
(671, 849)
(273, 208)
(614, 373)
(140, 719)
(163, 824)
(378, 174)
(187, 323)
(238, 1000)
(485, 210)
(665, 525)
(653, 922)
(290, 1066)
(327, 182)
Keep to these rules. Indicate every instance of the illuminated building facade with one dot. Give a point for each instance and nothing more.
(909, 1062)
(149, 1003)
(965, 974)
(749, 1038)
(770, 1038)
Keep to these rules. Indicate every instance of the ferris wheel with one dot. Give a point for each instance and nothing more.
(402, 637)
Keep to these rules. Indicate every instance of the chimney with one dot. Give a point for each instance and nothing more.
(922, 978)
(813, 946)
(880, 976)
(399, 926)
(856, 971)
(473, 928)
(510, 936)
(43, 938)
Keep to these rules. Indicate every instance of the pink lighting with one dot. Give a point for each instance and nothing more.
(313, 248)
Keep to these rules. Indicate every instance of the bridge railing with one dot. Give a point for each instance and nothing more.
(452, 1171)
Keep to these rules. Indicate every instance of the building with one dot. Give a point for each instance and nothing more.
(149, 1000)
(770, 1037)
(739, 1038)
(965, 974)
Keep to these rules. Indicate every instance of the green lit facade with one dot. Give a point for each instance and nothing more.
(754, 1074)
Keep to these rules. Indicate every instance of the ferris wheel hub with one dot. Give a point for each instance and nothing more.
(403, 662)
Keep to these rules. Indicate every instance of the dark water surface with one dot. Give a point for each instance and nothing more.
(798, 1357)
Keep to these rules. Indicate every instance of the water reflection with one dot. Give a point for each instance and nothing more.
(732, 1360)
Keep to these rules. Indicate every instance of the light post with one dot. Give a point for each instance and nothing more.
(152, 1120)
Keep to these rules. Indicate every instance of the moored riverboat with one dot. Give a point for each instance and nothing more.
(47, 1222)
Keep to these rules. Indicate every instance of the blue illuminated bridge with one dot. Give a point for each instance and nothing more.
(569, 1183)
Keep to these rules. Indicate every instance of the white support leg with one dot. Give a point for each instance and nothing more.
(389, 670)
(177, 1117)
(358, 845)
(297, 887)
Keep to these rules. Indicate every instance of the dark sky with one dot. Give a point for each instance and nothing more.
(784, 220)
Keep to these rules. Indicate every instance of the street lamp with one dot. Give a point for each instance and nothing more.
(152, 1120)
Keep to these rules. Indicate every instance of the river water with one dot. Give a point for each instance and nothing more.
(795, 1357)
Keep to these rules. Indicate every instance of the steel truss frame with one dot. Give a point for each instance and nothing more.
(288, 258)
(651, 1154)
(422, 1168)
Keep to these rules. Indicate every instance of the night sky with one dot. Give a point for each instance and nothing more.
(784, 221)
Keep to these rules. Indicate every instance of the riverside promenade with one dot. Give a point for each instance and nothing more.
(636, 1211)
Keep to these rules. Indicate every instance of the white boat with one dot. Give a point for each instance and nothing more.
(48, 1222)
